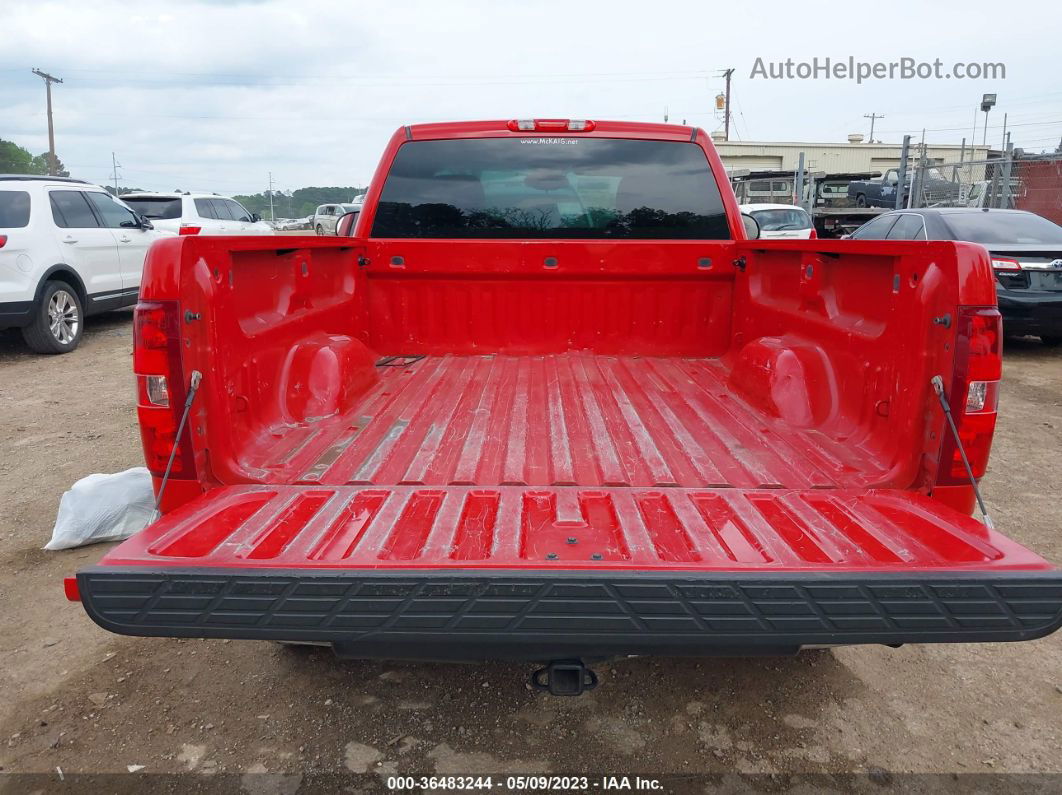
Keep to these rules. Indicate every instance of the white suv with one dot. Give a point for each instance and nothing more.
(197, 214)
(326, 216)
(67, 249)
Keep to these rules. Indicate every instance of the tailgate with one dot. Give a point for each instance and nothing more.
(514, 572)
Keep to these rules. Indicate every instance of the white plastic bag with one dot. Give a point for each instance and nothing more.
(104, 508)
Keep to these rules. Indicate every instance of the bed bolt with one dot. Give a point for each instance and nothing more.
(190, 316)
(551, 556)
(596, 556)
(573, 540)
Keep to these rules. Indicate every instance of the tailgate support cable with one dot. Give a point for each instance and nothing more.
(938, 387)
(193, 387)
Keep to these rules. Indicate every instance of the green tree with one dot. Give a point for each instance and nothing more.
(16, 160)
(41, 162)
(298, 203)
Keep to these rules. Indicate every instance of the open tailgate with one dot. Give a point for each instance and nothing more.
(541, 573)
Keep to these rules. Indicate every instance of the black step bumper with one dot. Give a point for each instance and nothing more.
(481, 615)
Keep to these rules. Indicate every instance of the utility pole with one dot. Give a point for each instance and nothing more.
(48, 80)
(271, 217)
(115, 165)
(726, 112)
(873, 117)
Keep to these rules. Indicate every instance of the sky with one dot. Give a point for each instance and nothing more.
(213, 96)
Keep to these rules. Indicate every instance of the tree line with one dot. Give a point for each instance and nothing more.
(298, 203)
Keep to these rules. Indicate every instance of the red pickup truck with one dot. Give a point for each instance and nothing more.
(549, 402)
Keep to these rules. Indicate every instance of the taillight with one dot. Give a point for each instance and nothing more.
(814, 234)
(189, 229)
(974, 392)
(3, 240)
(161, 387)
(1005, 264)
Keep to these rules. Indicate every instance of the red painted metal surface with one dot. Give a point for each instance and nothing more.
(667, 404)
(566, 419)
(403, 527)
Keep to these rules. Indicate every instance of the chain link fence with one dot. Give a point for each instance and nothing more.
(1012, 180)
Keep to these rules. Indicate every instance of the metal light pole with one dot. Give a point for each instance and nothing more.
(988, 101)
(53, 166)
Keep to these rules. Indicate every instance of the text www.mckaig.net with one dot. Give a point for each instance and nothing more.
(851, 69)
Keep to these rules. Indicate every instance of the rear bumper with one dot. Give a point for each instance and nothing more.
(482, 615)
(1030, 313)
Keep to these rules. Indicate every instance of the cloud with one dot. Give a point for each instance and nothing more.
(214, 95)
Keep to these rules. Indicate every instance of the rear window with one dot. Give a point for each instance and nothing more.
(14, 209)
(156, 208)
(990, 227)
(563, 187)
(782, 220)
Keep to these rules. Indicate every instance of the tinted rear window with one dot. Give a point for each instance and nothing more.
(14, 209)
(155, 208)
(562, 187)
(990, 227)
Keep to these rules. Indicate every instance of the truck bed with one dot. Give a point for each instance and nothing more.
(572, 505)
(573, 419)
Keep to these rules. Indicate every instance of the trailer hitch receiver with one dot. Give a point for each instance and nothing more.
(564, 678)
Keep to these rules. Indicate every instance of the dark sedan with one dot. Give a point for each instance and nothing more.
(1026, 254)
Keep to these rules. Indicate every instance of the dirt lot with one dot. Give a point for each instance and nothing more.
(81, 699)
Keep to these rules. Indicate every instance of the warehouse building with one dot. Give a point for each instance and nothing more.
(853, 156)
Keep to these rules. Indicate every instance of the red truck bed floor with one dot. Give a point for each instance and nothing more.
(563, 420)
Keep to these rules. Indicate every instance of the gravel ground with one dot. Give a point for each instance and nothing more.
(84, 700)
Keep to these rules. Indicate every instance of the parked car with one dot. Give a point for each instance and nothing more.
(324, 219)
(781, 220)
(1026, 252)
(68, 249)
(553, 405)
(881, 192)
(197, 214)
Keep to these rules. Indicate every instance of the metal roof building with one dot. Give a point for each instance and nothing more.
(853, 155)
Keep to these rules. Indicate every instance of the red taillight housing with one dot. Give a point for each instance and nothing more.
(189, 229)
(974, 392)
(814, 234)
(3, 240)
(161, 388)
